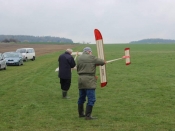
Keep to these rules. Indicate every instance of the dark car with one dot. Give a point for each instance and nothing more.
(13, 58)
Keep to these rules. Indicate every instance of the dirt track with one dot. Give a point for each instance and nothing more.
(40, 49)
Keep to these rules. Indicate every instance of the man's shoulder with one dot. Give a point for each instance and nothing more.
(92, 57)
(86, 57)
(67, 55)
(62, 55)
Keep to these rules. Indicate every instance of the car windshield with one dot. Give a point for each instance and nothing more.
(0, 57)
(21, 51)
(7, 55)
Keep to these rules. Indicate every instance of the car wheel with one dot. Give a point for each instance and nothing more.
(5, 67)
(0, 66)
(33, 58)
(26, 59)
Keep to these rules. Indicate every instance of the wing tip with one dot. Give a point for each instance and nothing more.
(98, 35)
(128, 63)
(127, 48)
(103, 84)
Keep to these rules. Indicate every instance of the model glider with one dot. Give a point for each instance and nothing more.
(100, 51)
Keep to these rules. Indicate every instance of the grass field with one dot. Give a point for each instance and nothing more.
(138, 97)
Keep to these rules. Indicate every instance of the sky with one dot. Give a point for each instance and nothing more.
(119, 21)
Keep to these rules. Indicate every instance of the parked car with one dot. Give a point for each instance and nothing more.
(27, 53)
(2, 62)
(13, 58)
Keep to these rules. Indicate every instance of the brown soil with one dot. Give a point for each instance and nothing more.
(40, 49)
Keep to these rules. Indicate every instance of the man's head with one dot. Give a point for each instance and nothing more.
(69, 51)
(87, 49)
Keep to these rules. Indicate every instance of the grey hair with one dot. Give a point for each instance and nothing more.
(69, 50)
(87, 49)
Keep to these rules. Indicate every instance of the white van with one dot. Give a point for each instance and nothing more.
(27, 53)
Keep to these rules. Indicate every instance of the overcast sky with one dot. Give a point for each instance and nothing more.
(119, 21)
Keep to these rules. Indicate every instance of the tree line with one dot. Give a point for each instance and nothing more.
(153, 40)
(27, 38)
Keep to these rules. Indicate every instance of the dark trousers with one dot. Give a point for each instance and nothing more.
(90, 93)
(65, 84)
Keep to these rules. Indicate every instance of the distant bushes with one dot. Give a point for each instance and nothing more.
(153, 40)
(10, 40)
(26, 38)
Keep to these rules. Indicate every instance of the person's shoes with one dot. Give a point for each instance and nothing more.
(88, 113)
(66, 97)
(81, 116)
(90, 118)
(64, 94)
(81, 110)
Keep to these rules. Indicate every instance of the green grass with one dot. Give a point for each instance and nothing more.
(138, 97)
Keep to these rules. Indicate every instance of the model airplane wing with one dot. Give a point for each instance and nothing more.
(77, 53)
(100, 51)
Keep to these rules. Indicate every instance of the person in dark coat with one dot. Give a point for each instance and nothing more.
(66, 62)
(87, 81)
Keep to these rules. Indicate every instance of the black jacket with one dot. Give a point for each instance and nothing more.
(66, 62)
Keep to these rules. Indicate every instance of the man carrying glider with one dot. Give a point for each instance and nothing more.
(87, 81)
(66, 62)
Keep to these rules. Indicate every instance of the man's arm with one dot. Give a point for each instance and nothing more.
(72, 62)
(99, 61)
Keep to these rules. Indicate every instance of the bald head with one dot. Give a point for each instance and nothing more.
(69, 51)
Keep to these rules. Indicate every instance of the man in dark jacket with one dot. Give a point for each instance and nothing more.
(66, 62)
(87, 82)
